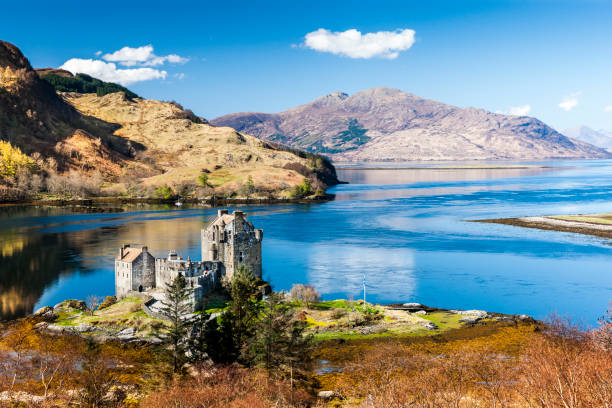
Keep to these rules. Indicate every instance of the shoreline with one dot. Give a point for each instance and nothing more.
(550, 223)
(443, 167)
(213, 202)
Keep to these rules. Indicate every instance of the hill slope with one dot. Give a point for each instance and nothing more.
(136, 144)
(384, 124)
(600, 138)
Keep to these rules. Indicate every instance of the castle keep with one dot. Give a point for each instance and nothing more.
(227, 243)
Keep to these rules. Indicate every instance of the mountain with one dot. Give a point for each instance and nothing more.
(600, 138)
(384, 124)
(135, 144)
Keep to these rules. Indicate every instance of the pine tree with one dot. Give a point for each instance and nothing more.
(177, 310)
(279, 344)
(244, 306)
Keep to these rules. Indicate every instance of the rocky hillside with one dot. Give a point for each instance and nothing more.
(138, 144)
(600, 138)
(384, 124)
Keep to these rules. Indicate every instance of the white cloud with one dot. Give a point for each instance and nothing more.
(144, 56)
(569, 102)
(608, 108)
(98, 53)
(522, 110)
(180, 75)
(108, 71)
(351, 43)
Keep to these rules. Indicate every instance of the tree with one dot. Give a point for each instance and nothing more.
(305, 293)
(203, 179)
(249, 186)
(279, 344)
(304, 189)
(177, 310)
(237, 323)
(198, 343)
(96, 380)
(164, 192)
(92, 302)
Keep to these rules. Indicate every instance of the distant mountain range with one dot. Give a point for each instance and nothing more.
(385, 124)
(600, 138)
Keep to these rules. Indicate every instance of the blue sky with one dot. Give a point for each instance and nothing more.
(232, 56)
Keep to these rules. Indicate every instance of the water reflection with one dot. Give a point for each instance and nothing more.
(406, 230)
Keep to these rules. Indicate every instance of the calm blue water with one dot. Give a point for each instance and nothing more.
(406, 230)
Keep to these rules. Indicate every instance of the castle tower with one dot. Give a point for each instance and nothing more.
(233, 240)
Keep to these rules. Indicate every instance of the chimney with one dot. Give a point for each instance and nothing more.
(238, 213)
(144, 249)
(122, 250)
(220, 213)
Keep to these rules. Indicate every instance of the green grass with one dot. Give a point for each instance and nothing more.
(444, 321)
(333, 304)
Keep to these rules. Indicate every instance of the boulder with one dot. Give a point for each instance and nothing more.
(420, 312)
(470, 319)
(46, 313)
(55, 329)
(129, 331)
(326, 394)
(430, 326)
(83, 328)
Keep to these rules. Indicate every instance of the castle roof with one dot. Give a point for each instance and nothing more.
(224, 220)
(130, 254)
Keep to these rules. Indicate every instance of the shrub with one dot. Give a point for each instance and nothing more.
(304, 189)
(305, 293)
(109, 301)
(164, 192)
(12, 160)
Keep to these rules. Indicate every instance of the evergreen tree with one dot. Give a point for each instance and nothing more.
(244, 306)
(226, 335)
(177, 310)
(279, 344)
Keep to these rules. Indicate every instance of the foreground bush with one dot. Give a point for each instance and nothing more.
(229, 386)
(559, 367)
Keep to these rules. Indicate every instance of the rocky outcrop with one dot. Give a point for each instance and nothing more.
(384, 124)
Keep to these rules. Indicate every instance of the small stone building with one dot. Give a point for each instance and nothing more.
(134, 270)
(228, 242)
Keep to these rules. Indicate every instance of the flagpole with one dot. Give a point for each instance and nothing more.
(364, 291)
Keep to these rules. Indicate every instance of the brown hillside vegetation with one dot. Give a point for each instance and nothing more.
(179, 146)
(135, 146)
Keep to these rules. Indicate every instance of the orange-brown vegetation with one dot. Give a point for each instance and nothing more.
(51, 370)
(527, 365)
(228, 387)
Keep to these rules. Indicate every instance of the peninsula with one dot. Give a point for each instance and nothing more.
(599, 225)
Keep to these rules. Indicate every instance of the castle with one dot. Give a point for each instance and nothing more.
(228, 242)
